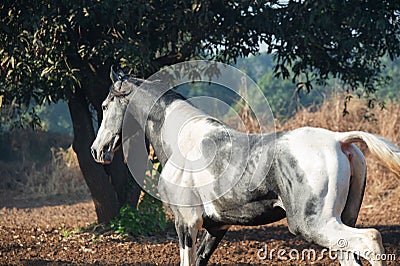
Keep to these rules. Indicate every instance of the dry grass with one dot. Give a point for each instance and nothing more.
(34, 165)
(330, 115)
(29, 179)
(61, 176)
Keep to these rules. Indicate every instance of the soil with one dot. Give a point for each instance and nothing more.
(61, 230)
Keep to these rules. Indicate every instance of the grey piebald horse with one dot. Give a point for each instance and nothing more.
(316, 177)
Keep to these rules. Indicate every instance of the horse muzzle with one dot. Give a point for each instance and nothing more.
(105, 154)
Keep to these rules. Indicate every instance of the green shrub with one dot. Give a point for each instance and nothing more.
(148, 218)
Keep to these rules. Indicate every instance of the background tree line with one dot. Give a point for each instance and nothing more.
(281, 93)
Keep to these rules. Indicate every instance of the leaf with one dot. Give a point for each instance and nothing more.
(85, 12)
(12, 61)
(46, 71)
(4, 61)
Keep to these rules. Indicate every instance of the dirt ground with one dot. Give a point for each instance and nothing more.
(60, 230)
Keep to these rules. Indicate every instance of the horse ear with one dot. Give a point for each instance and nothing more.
(114, 76)
(121, 74)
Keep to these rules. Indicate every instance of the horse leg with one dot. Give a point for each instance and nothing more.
(188, 222)
(333, 234)
(349, 241)
(209, 243)
(315, 206)
(354, 198)
(357, 185)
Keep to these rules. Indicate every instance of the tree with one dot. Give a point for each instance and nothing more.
(62, 50)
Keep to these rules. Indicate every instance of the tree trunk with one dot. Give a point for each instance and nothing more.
(96, 90)
(103, 193)
(128, 191)
(111, 186)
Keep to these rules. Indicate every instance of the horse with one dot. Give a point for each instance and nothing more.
(315, 177)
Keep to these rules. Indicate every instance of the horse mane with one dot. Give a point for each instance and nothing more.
(132, 79)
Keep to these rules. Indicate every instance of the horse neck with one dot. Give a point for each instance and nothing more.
(151, 106)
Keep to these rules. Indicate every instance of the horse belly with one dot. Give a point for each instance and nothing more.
(251, 213)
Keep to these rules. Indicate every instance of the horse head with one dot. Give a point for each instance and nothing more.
(109, 136)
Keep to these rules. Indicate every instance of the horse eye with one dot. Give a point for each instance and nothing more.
(104, 107)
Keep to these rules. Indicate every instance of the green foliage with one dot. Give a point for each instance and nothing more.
(285, 97)
(256, 66)
(55, 118)
(66, 233)
(390, 91)
(339, 39)
(50, 49)
(148, 218)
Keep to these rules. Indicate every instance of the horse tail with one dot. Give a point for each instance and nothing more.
(381, 148)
